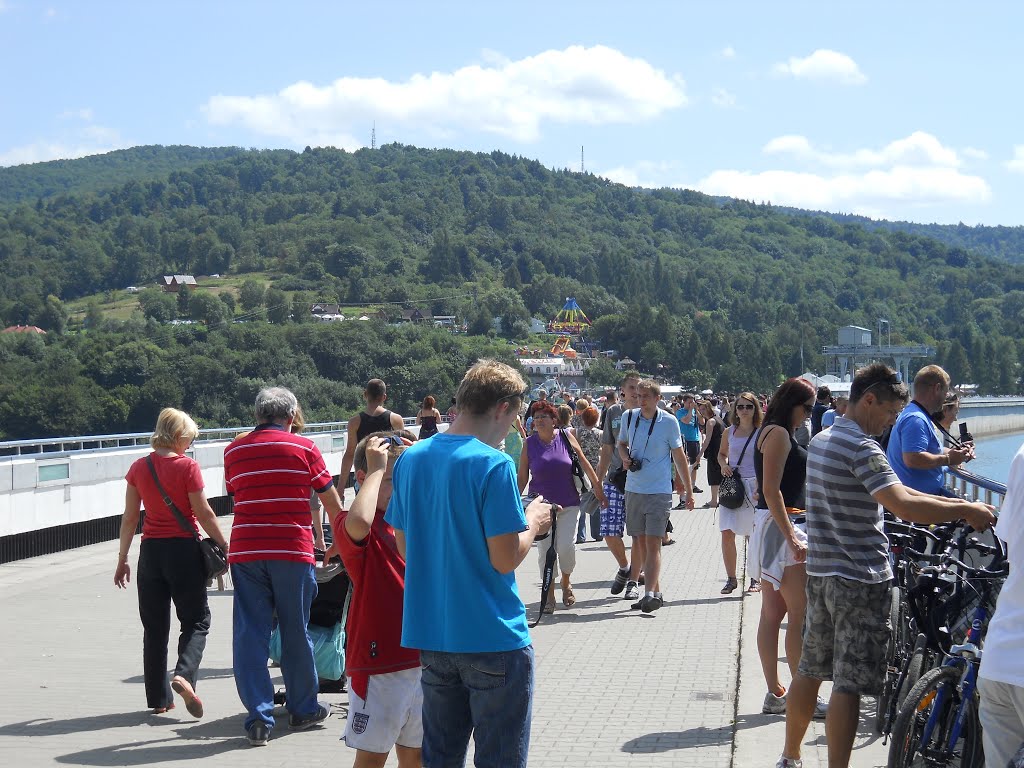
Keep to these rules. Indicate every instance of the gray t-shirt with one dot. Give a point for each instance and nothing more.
(612, 424)
(845, 533)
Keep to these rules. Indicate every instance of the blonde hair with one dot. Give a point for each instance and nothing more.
(172, 426)
(565, 414)
(650, 385)
(486, 384)
(582, 404)
(299, 421)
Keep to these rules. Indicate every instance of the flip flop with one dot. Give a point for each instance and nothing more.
(184, 688)
(568, 596)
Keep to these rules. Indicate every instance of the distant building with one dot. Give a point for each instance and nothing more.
(174, 283)
(24, 329)
(416, 316)
(326, 312)
(571, 373)
(625, 363)
(132, 289)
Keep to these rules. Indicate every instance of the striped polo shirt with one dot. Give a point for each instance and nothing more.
(269, 472)
(845, 535)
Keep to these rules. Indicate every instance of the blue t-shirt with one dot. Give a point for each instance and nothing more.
(690, 432)
(828, 418)
(913, 433)
(451, 493)
(656, 474)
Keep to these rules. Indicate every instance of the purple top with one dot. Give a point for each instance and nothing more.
(551, 471)
(736, 444)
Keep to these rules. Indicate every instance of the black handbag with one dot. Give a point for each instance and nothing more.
(732, 492)
(215, 559)
(577, 468)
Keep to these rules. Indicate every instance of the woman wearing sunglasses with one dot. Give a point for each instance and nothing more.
(779, 540)
(736, 455)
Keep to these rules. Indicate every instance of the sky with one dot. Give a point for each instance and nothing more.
(900, 110)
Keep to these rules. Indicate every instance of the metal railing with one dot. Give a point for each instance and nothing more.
(62, 446)
(974, 487)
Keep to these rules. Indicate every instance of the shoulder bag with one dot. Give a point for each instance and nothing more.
(215, 560)
(577, 468)
(732, 492)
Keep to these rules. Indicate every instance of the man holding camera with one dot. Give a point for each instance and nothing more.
(647, 450)
(914, 451)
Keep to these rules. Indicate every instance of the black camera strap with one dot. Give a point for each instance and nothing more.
(955, 442)
(650, 431)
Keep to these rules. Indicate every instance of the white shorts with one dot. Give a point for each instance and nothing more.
(770, 548)
(740, 521)
(391, 714)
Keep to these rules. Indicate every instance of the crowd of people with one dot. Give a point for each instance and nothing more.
(439, 650)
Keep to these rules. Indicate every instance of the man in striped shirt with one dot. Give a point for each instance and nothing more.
(848, 573)
(269, 473)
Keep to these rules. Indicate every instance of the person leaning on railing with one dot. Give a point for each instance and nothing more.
(170, 564)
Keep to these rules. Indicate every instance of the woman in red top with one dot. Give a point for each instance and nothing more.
(170, 566)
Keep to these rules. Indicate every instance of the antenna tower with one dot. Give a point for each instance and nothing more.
(582, 167)
(373, 136)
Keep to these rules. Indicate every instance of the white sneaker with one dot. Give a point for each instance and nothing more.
(820, 709)
(789, 762)
(632, 591)
(774, 705)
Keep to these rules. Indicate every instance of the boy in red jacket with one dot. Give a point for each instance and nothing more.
(384, 678)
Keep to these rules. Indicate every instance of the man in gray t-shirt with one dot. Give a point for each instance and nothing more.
(848, 574)
(613, 519)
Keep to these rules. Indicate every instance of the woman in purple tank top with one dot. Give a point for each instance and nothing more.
(546, 466)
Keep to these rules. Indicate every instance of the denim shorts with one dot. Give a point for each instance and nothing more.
(846, 631)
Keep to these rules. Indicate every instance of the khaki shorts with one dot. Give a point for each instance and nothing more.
(647, 513)
(846, 631)
(390, 715)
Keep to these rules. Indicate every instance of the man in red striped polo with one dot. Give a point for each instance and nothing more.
(269, 473)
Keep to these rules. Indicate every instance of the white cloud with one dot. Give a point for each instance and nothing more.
(1016, 164)
(722, 98)
(917, 149)
(823, 65)
(645, 173)
(84, 114)
(728, 52)
(91, 140)
(973, 153)
(867, 192)
(512, 98)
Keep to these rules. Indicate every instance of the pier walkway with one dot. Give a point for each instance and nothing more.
(682, 687)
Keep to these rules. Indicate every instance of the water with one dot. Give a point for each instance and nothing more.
(994, 455)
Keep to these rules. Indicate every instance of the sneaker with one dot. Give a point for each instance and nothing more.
(619, 583)
(697, 490)
(680, 505)
(637, 605)
(774, 705)
(258, 734)
(789, 762)
(308, 721)
(632, 591)
(651, 603)
(820, 709)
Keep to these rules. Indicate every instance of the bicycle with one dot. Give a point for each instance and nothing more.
(938, 723)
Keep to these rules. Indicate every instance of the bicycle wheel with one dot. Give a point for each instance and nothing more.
(917, 665)
(892, 668)
(912, 747)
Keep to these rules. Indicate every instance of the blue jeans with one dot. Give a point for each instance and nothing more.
(261, 588)
(487, 694)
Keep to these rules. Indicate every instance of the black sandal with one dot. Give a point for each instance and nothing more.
(730, 586)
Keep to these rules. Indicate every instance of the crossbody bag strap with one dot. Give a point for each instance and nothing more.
(167, 500)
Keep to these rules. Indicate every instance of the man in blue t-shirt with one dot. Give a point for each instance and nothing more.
(648, 449)
(460, 524)
(689, 428)
(914, 451)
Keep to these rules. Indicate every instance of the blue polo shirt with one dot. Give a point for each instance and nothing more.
(914, 432)
(690, 432)
(451, 493)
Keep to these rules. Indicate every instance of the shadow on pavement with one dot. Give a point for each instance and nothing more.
(667, 741)
(53, 727)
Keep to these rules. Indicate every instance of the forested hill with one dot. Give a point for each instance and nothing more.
(710, 294)
(87, 174)
(1004, 243)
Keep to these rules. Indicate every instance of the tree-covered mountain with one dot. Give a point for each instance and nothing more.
(727, 295)
(87, 174)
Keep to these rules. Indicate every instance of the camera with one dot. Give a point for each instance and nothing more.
(965, 436)
(635, 464)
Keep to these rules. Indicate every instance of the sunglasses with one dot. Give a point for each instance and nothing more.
(517, 396)
(744, 407)
(396, 445)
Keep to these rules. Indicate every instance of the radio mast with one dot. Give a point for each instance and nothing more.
(582, 167)
(373, 136)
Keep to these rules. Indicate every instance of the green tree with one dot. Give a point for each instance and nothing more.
(183, 298)
(206, 308)
(278, 306)
(228, 299)
(158, 305)
(252, 295)
(93, 315)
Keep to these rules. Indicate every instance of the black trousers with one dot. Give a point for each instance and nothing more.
(171, 570)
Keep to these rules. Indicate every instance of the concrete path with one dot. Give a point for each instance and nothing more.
(682, 687)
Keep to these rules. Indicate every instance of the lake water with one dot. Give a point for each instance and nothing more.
(994, 455)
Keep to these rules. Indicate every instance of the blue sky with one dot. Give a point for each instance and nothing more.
(904, 110)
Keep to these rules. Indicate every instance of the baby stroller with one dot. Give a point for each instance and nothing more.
(328, 618)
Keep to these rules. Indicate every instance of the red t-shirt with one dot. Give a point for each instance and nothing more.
(377, 572)
(180, 476)
(269, 472)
